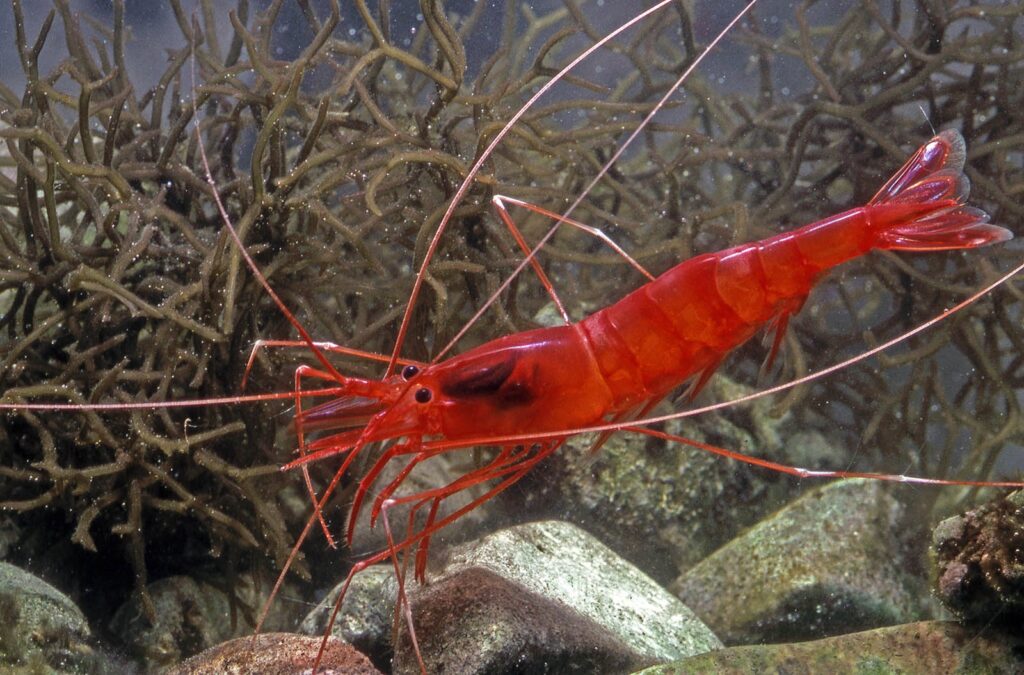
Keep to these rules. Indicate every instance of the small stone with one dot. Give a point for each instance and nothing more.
(276, 654)
(829, 563)
(979, 561)
(42, 630)
(545, 597)
(190, 616)
(366, 616)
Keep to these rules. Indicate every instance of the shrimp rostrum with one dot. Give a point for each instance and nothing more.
(618, 363)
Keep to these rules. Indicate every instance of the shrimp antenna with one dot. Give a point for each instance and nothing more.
(298, 69)
(255, 207)
(531, 256)
(924, 113)
(478, 164)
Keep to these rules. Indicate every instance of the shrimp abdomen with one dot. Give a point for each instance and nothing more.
(685, 321)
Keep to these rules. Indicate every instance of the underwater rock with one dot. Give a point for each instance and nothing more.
(190, 616)
(979, 561)
(545, 597)
(829, 563)
(366, 616)
(666, 507)
(276, 654)
(925, 647)
(42, 630)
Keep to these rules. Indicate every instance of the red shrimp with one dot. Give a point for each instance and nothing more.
(623, 359)
(527, 392)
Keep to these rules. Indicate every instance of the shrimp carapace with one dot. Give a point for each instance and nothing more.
(621, 360)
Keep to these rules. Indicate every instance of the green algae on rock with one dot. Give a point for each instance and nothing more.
(43, 631)
(924, 647)
(831, 562)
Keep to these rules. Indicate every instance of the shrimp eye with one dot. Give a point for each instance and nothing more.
(423, 395)
(410, 372)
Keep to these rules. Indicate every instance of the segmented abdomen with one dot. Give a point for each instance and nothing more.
(685, 321)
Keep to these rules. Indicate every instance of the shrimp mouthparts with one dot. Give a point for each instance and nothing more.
(341, 413)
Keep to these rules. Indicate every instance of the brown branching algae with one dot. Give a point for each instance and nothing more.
(336, 159)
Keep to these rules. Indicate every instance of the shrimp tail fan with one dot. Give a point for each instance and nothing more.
(923, 207)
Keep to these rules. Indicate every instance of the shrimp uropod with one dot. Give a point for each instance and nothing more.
(527, 392)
